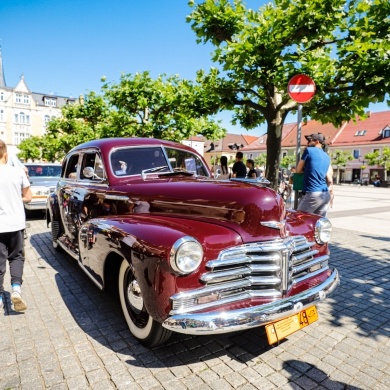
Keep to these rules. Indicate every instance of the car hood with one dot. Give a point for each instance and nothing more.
(43, 181)
(252, 210)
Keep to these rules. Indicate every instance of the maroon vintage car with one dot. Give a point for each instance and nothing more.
(188, 253)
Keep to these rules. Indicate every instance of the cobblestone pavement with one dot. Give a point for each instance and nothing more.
(73, 336)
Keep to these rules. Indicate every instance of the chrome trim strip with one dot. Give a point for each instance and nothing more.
(231, 299)
(242, 319)
(310, 275)
(223, 262)
(204, 291)
(220, 276)
(309, 264)
(303, 256)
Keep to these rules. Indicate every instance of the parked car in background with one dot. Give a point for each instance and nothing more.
(188, 253)
(43, 178)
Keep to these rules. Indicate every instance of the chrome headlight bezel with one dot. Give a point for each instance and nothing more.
(186, 255)
(323, 231)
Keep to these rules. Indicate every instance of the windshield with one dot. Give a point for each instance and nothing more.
(44, 170)
(132, 161)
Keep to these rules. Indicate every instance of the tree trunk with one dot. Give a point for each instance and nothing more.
(273, 153)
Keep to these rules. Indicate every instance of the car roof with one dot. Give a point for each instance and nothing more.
(106, 144)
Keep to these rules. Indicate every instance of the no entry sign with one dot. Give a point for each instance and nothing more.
(301, 88)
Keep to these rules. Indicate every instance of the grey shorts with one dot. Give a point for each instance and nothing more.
(315, 203)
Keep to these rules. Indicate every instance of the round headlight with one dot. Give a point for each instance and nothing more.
(186, 255)
(323, 231)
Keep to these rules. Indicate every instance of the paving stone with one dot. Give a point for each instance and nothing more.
(79, 339)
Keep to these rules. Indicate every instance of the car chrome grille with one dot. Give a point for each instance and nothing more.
(257, 270)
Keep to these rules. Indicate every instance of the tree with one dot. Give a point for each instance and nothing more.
(288, 161)
(137, 106)
(261, 160)
(340, 159)
(383, 159)
(342, 45)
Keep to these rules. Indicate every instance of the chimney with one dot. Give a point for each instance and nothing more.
(368, 114)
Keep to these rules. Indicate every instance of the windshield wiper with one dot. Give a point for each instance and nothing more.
(151, 170)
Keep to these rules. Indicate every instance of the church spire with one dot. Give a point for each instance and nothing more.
(2, 78)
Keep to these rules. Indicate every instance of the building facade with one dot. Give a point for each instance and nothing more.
(24, 113)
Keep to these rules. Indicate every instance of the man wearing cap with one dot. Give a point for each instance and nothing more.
(317, 176)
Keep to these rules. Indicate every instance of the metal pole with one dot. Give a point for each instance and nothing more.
(298, 149)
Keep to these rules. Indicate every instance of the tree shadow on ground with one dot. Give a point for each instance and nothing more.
(360, 303)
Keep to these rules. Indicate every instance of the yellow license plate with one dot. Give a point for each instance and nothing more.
(281, 329)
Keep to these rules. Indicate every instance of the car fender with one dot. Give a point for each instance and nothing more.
(146, 241)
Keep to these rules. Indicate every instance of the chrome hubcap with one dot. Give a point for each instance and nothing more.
(135, 297)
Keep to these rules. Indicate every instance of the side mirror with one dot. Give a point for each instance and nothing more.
(88, 172)
(217, 174)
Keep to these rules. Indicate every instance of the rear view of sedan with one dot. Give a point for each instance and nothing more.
(43, 179)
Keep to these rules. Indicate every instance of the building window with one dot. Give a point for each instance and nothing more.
(360, 133)
(376, 150)
(1, 115)
(386, 133)
(19, 136)
(26, 99)
(2, 96)
(16, 118)
(51, 102)
(356, 154)
(18, 98)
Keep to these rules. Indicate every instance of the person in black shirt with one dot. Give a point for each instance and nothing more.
(250, 164)
(239, 168)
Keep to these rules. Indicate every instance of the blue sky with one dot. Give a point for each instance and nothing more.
(65, 47)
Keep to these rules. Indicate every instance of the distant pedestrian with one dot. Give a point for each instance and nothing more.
(317, 177)
(239, 168)
(221, 171)
(14, 190)
(250, 164)
(259, 171)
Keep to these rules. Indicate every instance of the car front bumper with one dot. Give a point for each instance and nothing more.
(36, 205)
(242, 319)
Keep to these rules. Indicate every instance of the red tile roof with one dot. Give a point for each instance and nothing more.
(312, 126)
(372, 126)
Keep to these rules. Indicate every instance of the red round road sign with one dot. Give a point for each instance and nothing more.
(301, 88)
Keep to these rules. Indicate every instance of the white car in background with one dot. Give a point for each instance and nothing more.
(43, 178)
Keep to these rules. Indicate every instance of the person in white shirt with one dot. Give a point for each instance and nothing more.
(14, 190)
(221, 171)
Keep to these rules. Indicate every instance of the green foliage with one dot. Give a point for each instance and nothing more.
(261, 160)
(340, 157)
(137, 106)
(288, 161)
(376, 158)
(342, 45)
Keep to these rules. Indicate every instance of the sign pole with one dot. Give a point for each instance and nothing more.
(298, 150)
(301, 88)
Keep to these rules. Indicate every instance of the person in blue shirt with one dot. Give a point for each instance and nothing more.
(317, 176)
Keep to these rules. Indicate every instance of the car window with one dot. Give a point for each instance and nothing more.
(44, 170)
(71, 167)
(182, 160)
(93, 160)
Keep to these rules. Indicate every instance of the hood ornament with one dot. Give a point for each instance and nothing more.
(279, 225)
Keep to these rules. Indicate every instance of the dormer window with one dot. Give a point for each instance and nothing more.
(360, 133)
(50, 101)
(385, 132)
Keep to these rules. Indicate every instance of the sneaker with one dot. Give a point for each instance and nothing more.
(18, 302)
